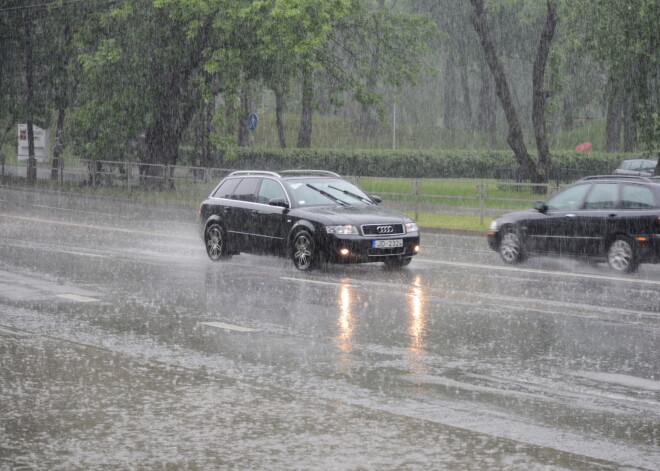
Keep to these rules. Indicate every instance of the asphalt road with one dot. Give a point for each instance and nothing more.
(123, 347)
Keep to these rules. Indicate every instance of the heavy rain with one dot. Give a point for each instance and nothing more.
(133, 338)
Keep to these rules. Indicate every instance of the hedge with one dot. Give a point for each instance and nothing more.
(409, 163)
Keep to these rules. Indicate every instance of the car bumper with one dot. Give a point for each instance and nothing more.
(649, 249)
(359, 249)
(493, 241)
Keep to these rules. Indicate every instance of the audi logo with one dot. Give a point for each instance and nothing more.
(384, 229)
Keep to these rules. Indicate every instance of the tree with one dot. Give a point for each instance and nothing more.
(143, 75)
(631, 63)
(538, 173)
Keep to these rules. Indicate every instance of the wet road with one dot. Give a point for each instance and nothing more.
(123, 346)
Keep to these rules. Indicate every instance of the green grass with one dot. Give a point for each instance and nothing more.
(456, 193)
(450, 221)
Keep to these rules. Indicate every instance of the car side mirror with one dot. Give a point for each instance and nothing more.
(376, 199)
(279, 202)
(540, 206)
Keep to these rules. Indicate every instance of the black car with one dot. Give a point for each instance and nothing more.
(308, 215)
(614, 218)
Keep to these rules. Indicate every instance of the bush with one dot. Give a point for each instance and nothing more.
(412, 164)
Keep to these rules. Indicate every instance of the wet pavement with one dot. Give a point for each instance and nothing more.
(123, 346)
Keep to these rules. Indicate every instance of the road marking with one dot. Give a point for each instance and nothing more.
(86, 254)
(11, 332)
(222, 325)
(101, 228)
(76, 297)
(78, 211)
(326, 283)
(542, 272)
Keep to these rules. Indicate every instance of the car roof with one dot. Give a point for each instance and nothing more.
(285, 174)
(621, 178)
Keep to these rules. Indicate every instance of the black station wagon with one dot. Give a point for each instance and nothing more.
(310, 216)
(614, 218)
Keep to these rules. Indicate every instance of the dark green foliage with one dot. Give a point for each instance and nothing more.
(412, 164)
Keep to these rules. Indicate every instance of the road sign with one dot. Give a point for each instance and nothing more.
(252, 122)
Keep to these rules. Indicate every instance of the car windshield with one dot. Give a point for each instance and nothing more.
(316, 192)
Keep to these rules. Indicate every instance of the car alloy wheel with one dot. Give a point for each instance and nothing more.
(510, 248)
(304, 255)
(621, 255)
(215, 242)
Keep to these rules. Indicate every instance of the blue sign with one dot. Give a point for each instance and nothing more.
(253, 121)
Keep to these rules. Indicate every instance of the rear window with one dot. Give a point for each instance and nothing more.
(246, 190)
(637, 197)
(226, 188)
(648, 166)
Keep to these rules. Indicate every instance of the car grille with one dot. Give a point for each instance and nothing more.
(382, 229)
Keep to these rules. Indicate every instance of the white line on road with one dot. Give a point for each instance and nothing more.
(326, 283)
(78, 211)
(76, 297)
(542, 272)
(11, 332)
(86, 254)
(222, 325)
(102, 228)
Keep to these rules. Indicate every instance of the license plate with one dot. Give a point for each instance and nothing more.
(386, 244)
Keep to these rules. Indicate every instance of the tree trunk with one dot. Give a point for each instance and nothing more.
(31, 175)
(467, 103)
(614, 112)
(487, 118)
(279, 116)
(449, 94)
(515, 136)
(629, 124)
(246, 106)
(629, 109)
(62, 101)
(305, 130)
(59, 144)
(540, 95)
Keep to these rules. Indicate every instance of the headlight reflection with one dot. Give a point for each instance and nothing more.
(345, 324)
(417, 327)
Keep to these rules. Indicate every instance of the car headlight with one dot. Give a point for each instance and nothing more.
(493, 226)
(411, 227)
(343, 230)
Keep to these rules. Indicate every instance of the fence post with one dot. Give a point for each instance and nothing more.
(481, 193)
(415, 191)
(128, 177)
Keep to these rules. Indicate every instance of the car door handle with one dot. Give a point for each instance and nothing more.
(571, 216)
(611, 215)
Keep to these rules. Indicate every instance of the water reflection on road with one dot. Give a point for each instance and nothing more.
(383, 368)
(417, 327)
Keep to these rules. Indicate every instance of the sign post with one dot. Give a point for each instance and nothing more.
(252, 122)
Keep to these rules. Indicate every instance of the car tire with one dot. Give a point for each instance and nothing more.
(216, 242)
(397, 262)
(303, 251)
(621, 255)
(511, 249)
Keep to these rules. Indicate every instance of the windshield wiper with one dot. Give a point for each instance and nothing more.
(328, 195)
(351, 194)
